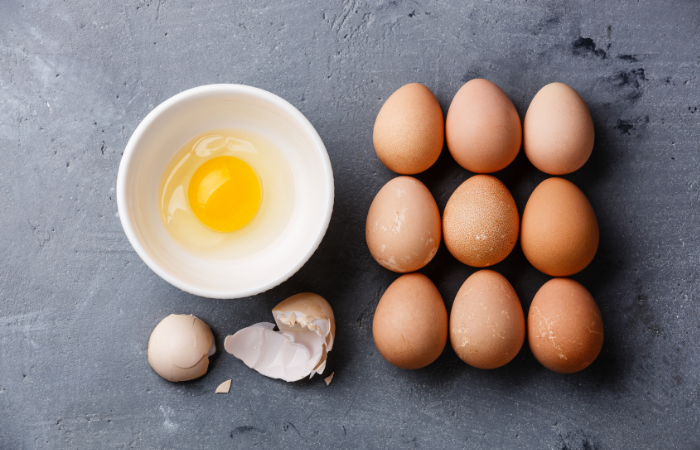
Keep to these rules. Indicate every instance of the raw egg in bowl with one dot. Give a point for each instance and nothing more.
(225, 191)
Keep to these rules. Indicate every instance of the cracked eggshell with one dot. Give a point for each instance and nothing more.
(410, 323)
(481, 223)
(409, 131)
(564, 326)
(299, 349)
(308, 310)
(487, 324)
(559, 234)
(179, 348)
(403, 225)
(483, 128)
(558, 132)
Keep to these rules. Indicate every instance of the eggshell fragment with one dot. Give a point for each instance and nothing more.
(565, 328)
(299, 349)
(307, 311)
(329, 378)
(409, 131)
(483, 128)
(480, 223)
(410, 323)
(487, 324)
(224, 387)
(403, 225)
(179, 348)
(559, 234)
(558, 132)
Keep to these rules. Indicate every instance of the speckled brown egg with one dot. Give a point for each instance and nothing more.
(410, 323)
(558, 130)
(483, 128)
(480, 223)
(409, 131)
(403, 225)
(564, 326)
(487, 324)
(559, 234)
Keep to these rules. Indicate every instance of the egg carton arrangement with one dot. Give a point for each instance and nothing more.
(480, 225)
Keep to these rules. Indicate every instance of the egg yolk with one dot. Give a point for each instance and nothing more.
(225, 193)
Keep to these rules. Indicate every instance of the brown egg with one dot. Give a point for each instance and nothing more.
(564, 326)
(410, 323)
(409, 131)
(487, 324)
(403, 225)
(481, 222)
(558, 130)
(483, 128)
(559, 231)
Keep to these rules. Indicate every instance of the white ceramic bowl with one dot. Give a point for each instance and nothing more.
(172, 124)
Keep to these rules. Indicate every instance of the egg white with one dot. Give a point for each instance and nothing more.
(275, 208)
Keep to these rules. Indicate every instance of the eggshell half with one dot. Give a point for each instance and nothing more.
(403, 225)
(179, 348)
(480, 223)
(410, 323)
(487, 324)
(559, 234)
(299, 349)
(483, 128)
(565, 328)
(558, 132)
(409, 131)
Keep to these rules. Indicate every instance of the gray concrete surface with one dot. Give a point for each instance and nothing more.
(77, 304)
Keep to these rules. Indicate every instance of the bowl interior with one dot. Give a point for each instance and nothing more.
(172, 124)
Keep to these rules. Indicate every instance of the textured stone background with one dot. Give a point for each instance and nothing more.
(77, 304)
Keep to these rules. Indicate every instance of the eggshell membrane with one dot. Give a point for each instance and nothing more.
(558, 132)
(409, 131)
(179, 347)
(403, 225)
(483, 128)
(559, 234)
(410, 323)
(481, 223)
(487, 324)
(565, 328)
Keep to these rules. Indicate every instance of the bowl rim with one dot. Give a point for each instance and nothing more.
(125, 166)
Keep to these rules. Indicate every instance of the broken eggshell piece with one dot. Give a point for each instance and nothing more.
(300, 347)
(179, 347)
(224, 387)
